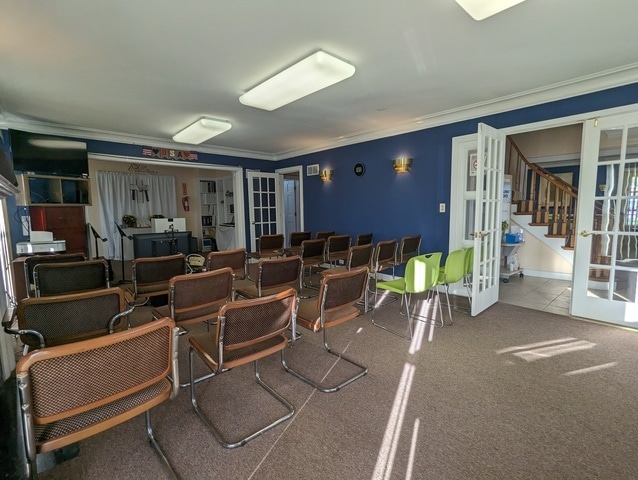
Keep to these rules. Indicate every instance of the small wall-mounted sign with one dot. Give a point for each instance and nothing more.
(359, 169)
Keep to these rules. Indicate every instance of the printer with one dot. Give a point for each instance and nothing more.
(39, 243)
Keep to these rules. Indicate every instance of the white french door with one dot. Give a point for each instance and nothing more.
(606, 252)
(263, 207)
(487, 171)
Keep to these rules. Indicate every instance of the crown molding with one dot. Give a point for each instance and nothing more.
(617, 77)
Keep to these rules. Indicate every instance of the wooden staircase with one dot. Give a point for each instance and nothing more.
(547, 198)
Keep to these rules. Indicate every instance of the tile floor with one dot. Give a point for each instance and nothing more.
(537, 293)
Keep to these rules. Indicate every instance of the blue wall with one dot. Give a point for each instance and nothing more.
(392, 205)
(388, 204)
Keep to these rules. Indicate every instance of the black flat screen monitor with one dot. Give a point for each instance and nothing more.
(48, 154)
(161, 244)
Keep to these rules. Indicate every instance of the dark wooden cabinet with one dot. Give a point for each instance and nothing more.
(66, 223)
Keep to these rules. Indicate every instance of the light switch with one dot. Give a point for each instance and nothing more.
(441, 207)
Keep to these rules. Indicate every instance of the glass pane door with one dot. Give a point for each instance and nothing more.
(606, 256)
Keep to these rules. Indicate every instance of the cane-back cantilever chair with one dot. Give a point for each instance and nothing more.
(71, 392)
(151, 274)
(197, 297)
(31, 262)
(268, 246)
(273, 276)
(56, 320)
(247, 330)
(358, 256)
(70, 277)
(324, 234)
(421, 276)
(312, 255)
(337, 249)
(364, 239)
(338, 294)
(409, 247)
(295, 241)
(453, 271)
(236, 259)
(383, 258)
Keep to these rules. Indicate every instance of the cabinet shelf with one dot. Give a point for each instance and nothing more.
(47, 190)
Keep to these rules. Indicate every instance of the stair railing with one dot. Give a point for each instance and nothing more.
(554, 207)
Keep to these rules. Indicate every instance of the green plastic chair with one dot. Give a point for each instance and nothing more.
(421, 275)
(469, 268)
(453, 271)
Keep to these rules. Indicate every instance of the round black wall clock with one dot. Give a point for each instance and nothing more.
(359, 169)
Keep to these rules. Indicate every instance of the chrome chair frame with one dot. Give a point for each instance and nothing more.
(93, 410)
(219, 366)
(384, 258)
(236, 259)
(327, 306)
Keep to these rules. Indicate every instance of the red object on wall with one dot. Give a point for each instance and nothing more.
(66, 223)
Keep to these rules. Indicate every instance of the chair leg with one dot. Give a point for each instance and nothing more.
(322, 388)
(404, 298)
(156, 446)
(447, 297)
(391, 298)
(218, 436)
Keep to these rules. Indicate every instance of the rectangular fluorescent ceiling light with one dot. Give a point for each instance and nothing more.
(481, 9)
(202, 130)
(313, 73)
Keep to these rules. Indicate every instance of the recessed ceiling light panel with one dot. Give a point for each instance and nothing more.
(481, 9)
(202, 130)
(313, 73)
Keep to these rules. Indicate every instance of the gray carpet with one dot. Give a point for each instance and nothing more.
(513, 393)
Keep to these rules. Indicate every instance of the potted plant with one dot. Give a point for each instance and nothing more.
(129, 221)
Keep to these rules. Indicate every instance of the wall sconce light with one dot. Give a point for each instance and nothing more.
(326, 175)
(402, 165)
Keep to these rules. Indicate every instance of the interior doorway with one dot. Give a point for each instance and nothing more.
(548, 268)
(291, 188)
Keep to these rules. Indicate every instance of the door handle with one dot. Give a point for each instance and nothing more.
(585, 233)
(479, 234)
(252, 223)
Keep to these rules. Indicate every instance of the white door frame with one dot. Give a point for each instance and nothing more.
(280, 178)
(458, 146)
(238, 184)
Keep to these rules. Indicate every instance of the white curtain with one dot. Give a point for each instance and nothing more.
(139, 195)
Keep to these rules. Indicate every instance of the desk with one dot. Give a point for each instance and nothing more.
(225, 237)
(128, 243)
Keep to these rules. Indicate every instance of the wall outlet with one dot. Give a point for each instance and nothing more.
(25, 220)
(441, 207)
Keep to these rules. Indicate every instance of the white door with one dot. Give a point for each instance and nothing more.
(290, 207)
(606, 251)
(490, 161)
(264, 211)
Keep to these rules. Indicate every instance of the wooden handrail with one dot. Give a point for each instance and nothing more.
(557, 210)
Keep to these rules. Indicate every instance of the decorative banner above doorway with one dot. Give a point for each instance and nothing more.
(169, 153)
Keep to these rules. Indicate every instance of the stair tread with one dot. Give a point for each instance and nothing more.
(523, 213)
(567, 248)
(539, 224)
(555, 235)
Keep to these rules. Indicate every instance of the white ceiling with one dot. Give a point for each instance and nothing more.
(141, 70)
